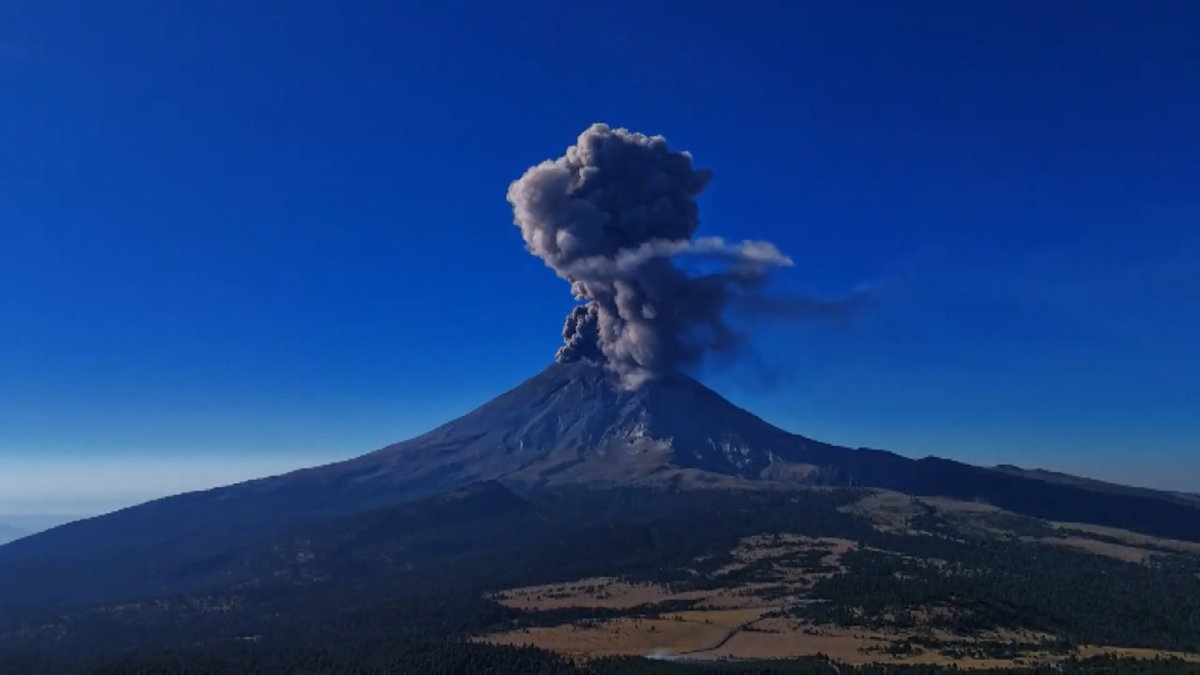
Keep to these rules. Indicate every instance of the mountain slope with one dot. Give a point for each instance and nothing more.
(1096, 485)
(572, 424)
(567, 425)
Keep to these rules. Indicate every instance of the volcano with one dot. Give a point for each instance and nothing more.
(572, 424)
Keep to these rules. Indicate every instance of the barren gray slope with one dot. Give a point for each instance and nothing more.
(572, 423)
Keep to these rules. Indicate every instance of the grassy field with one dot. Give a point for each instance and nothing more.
(743, 613)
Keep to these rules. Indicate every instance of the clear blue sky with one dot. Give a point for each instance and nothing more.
(244, 236)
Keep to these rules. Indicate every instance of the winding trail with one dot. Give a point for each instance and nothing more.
(721, 642)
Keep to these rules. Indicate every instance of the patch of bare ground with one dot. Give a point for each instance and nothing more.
(780, 546)
(886, 511)
(894, 512)
(1105, 548)
(602, 592)
(1088, 651)
(676, 633)
(1133, 538)
(613, 593)
(948, 505)
(745, 634)
(784, 639)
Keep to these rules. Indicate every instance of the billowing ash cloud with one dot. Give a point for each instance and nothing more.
(615, 216)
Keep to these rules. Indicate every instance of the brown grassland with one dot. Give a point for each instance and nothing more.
(747, 621)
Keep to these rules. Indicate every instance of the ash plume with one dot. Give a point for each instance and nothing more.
(615, 216)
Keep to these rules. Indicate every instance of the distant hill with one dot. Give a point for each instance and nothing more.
(1097, 485)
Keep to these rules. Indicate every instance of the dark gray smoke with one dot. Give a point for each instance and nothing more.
(614, 216)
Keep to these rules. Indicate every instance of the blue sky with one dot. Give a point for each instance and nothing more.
(239, 237)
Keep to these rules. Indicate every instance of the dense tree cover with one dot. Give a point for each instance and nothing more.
(985, 583)
(1096, 666)
(464, 658)
(402, 590)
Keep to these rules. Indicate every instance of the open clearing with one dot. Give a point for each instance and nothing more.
(736, 635)
(895, 512)
(747, 619)
(613, 593)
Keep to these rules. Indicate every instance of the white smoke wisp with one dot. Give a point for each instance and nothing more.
(614, 216)
(661, 654)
